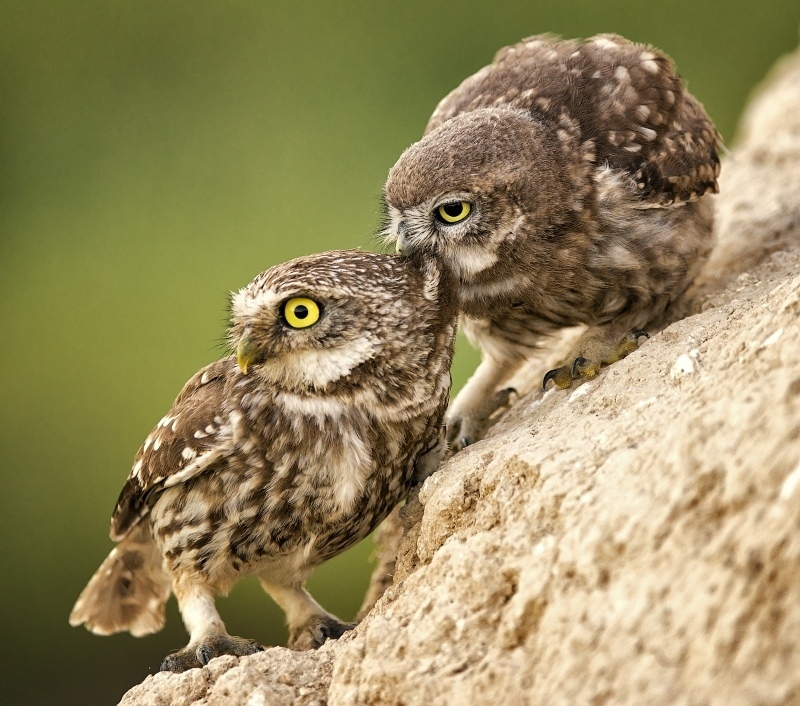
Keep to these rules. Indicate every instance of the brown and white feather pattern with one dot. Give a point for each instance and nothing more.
(184, 443)
(624, 101)
(582, 174)
(274, 471)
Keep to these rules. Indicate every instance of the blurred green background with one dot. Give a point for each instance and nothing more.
(155, 155)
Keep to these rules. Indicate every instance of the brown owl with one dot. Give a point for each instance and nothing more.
(567, 183)
(285, 454)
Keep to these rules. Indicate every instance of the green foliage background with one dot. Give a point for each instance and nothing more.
(156, 155)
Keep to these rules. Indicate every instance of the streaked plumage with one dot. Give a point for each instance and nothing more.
(274, 471)
(586, 169)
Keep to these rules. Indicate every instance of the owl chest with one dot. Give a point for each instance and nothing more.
(525, 309)
(327, 501)
(268, 503)
(509, 301)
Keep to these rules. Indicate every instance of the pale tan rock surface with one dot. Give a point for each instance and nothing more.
(760, 181)
(635, 540)
(276, 676)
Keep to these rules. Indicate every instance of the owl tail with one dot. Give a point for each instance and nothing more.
(128, 591)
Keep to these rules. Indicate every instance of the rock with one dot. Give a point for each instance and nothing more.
(276, 676)
(759, 211)
(633, 540)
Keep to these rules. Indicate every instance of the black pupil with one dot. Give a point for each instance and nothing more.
(301, 311)
(453, 209)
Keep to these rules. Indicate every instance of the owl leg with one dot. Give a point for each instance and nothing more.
(469, 412)
(310, 625)
(598, 347)
(428, 461)
(208, 636)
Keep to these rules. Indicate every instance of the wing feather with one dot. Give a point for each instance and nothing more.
(187, 441)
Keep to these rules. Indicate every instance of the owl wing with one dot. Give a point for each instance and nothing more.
(624, 101)
(191, 437)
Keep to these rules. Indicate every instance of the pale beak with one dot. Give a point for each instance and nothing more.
(247, 354)
(402, 246)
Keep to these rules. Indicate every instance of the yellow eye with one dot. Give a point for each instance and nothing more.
(301, 312)
(454, 211)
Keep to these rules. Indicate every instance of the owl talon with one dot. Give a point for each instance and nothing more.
(214, 646)
(584, 368)
(562, 377)
(506, 397)
(577, 366)
(589, 369)
(467, 428)
(461, 431)
(626, 346)
(315, 632)
(452, 428)
(181, 661)
(226, 645)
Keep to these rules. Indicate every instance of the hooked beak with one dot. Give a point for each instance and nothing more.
(402, 247)
(247, 353)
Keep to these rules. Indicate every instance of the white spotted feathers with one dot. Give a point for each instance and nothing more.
(625, 99)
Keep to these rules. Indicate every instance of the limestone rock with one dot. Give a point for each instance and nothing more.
(634, 540)
(274, 677)
(759, 210)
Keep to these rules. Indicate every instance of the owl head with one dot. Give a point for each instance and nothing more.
(338, 317)
(473, 186)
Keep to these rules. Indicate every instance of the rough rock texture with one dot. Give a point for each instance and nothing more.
(275, 676)
(635, 540)
(759, 211)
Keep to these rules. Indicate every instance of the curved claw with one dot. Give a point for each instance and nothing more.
(316, 631)
(585, 368)
(468, 427)
(562, 377)
(578, 363)
(180, 661)
(625, 347)
(451, 431)
(588, 369)
(548, 376)
(202, 654)
(226, 645)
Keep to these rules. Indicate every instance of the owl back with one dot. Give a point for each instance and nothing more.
(621, 100)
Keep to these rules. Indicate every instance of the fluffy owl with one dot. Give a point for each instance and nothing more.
(285, 454)
(567, 183)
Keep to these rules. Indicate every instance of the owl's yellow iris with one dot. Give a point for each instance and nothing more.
(455, 211)
(301, 312)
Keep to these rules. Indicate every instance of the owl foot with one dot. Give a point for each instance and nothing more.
(562, 376)
(192, 657)
(625, 347)
(587, 368)
(316, 631)
(465, 427)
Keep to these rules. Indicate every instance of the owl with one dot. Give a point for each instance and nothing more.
(568, 183)
(284, 454)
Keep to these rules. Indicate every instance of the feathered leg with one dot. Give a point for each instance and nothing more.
(208, 637)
